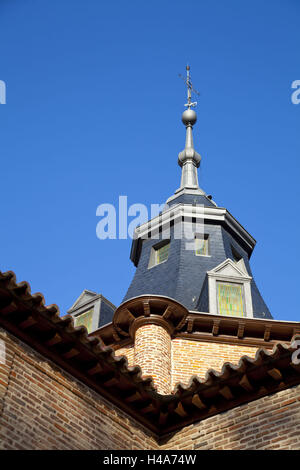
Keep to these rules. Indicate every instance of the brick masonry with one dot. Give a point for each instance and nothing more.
(43, 407)
(269, 423)
(127, 351)
(152, 352)
(171, 362)
(196, 357)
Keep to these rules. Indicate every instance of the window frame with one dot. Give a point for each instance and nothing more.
(228, 272)
(153, 261)
(81, 314)
(229, 283)
(202, 237)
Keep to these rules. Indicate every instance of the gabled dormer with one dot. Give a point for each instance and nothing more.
(229, 290)
(92, 310)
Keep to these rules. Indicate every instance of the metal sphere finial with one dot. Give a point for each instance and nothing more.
(189, 117)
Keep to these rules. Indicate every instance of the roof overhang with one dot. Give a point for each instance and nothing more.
(196, 326)
(88, 360)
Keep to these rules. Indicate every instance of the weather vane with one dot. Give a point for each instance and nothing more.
(190, 89)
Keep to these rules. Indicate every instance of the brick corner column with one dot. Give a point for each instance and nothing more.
(152, 350)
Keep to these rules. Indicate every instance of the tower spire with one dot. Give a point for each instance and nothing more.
(189, 159)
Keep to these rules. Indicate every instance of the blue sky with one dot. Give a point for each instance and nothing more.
(93, 112)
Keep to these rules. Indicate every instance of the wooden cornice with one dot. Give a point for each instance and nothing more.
(146, 309)
(204, 327)
(238, 330)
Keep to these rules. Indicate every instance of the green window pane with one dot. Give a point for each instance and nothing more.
(162, 253)
(230, 299)
(201, 246)
(85, 319)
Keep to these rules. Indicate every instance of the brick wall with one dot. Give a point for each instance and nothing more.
(42, 407)
(187, 357)
(152, 352)
(6, 359)
(272, 422)
(196, 357)
(127, 351)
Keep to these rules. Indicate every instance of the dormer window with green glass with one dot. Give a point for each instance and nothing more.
(229, 290)
(85, 319)
(230, 299)
(201, 246)
(162, 253)
(159, 253)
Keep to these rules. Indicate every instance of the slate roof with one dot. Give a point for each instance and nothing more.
(183, 276)
(192, 199)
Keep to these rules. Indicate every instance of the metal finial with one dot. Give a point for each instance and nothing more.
(190, 88)
(189, 160)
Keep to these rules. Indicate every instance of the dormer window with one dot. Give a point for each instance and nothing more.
(85, 319)
(229, 290)
(159, 253)
(162, 253)
(201, 245)
(230, 299)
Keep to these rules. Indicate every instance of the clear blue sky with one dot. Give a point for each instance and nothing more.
(93, 112)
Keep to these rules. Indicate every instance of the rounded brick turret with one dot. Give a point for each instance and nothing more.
(151, 323)
(152, 352)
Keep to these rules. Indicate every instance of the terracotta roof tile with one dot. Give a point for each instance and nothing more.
(96, 364)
